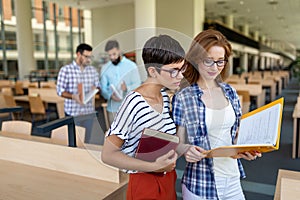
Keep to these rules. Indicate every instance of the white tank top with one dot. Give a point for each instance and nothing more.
(219, 123)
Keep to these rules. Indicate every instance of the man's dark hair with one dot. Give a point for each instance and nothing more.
(83, 47)
(111, 44)
(162, 50)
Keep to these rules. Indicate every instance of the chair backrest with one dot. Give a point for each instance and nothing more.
(232, 82)
(7, 91)
(254, 82)
(285, 179)
(36, 105)
(9, 101)
(16, 126)
(61, 134)
(19, 88)
(245, 94)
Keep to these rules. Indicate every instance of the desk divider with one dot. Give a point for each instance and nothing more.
(78, 161)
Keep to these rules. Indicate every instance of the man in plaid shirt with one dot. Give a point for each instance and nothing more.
(69, 76)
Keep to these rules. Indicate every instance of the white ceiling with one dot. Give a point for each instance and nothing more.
(277, 20)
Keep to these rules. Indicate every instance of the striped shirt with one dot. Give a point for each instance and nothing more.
(134, 115)
(189, 112)
(67, 81)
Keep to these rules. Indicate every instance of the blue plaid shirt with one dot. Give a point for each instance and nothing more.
(68, 78)
(189, 112)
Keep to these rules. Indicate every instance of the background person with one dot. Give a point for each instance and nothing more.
(148, 107)
(69, 76)
(120, 73)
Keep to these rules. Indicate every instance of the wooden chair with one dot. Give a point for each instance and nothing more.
(232, 82)
(287, 185)
(37, 108)
(7, 91)
(61, 134)
(246, 100)
(10, 102)
(16, 126)
(19, 88)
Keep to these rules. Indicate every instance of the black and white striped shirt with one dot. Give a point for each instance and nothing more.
(134, 115)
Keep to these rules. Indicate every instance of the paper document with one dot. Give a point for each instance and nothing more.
(89, 96)
(118, 93)
(86, 97)
(259, 131)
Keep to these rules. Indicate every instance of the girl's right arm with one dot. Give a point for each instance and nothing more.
(192, 153)
(112, 155)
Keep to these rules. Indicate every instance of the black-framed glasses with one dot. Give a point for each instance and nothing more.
(88, 57)
(210, 62)
(174, 72)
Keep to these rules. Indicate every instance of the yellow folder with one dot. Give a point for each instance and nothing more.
(259, 131)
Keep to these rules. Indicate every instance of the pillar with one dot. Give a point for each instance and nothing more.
(199, 16)
(26, 61)
(246, 29)
(145, 23)
(256, 36)
(262, 63)
(229, 21)
(244, 61)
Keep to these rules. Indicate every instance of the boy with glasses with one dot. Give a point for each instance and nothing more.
(79, 72)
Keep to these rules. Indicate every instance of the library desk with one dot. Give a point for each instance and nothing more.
(33, 170)
(58, 101)
(21, 181)
(255, 90)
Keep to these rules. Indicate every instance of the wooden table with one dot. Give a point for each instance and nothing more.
(20, 181)
(270, 84)
(58, 101)
(255, 90)
(36, 169)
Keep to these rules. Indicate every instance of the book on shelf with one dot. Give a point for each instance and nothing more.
(154, 144)
(86, 96)
(259, 131)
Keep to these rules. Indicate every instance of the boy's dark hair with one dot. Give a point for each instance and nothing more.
(83, 47)
(111, 44)
(162, 50)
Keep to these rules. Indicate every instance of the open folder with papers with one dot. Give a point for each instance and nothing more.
(259, 131)
(85, 97)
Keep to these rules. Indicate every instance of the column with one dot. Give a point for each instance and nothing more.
(229, 21)
(255, 63)
(262, 63)
(246, 29)
(230, 65)
(244, 61)
(256, 35)
(199, 16)
(26, 61)
(87, 27)
(145, 22)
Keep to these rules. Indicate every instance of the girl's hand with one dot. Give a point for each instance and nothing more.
(166, 162)
(248, 155)
(194, 154)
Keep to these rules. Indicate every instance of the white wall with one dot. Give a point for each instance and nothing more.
(111, 22)
(176, 14)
